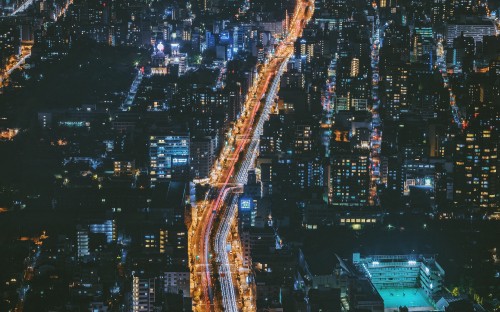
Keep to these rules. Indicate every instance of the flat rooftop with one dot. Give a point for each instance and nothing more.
(413, 298)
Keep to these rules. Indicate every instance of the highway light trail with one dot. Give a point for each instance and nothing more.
(244, 137)
(229, 299)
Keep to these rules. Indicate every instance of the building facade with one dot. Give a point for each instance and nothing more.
(169, 157)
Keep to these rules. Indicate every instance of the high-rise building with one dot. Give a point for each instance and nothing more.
(474, 27)
(252, 193)
(177, 280)
(168, 157)
(350, 180)
(475, 169)
(308, 172)
(354, 67)
(143, 294)
(303, 143)
(82, 242)
(396, 47)
(108, 228)
(423, 44)
(395, 87)
(271, 140)
(202, 154)
(232, 102)
(463, 52)
(491, 47)
(304, 49)
(246, 212)
(438, 11)
(9, 43)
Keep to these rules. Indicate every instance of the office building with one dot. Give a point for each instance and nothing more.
(354, 67)
(349, 180)
(124, 167)
(247, 212)
(176, 280)
(202, 154)
(143, 294)
(475, 169)
(108, 228)
(395, 87)
(9, 43)
(82, 242)
(474, 27)
(168, 157)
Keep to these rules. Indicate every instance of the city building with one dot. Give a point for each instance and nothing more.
(475, 169)
(403, 280)
(108, 228)
(82, 242)
(395, 91)
(349, 180)
(472, 26)
(177, 61)
(124, 167)
(168, 157)
(202, 154)
(176, 280)
(10, 41)
(144, 292)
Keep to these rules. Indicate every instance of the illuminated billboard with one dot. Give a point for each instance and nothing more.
(179, 160)
(245, 204)
(224, 36)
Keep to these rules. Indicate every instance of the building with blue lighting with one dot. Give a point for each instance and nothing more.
(168, 157)
(414, 281)
(107, 227)
(246, 212)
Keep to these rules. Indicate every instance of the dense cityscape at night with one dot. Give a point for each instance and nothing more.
(249, 155)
